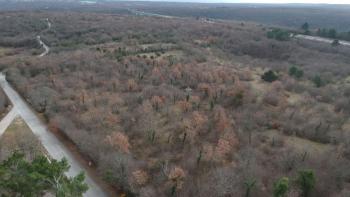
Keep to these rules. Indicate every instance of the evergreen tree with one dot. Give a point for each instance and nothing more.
(332, 33)
(280, 188)
(269, 76)
(318, 81)
(296, 72)
(306, 181)
(249, 185)
(305, 26)
(19, 177)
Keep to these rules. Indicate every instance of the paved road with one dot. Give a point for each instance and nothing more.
(320, 39)
(53, 146)
(141, 13)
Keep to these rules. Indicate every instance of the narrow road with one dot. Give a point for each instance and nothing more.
(141, 13)
(46, 48)
(320, 39)
(53, 146)
(48, 23)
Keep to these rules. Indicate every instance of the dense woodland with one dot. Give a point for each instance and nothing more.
(186, 107)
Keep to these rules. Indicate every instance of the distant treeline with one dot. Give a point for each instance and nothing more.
(320, 17)
(24, 42)
(326, 33)
(332, 33)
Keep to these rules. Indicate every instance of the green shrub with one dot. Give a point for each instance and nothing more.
(280, 188)
(278, 34)
(306, 181)
(296, 72)
(335, 43)
(269, 76)
(318, 81)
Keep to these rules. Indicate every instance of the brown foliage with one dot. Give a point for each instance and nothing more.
(131, 85)
(177, 175)
(221, 119)
(119, 141)
(140, 177)
(185, 106)
(198, 119)
(157, 102)
(222, 149)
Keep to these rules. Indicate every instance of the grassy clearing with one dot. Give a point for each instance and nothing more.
(158, 45)
(346, 125)
(300, 144)
(168, 54)
(4, 51)
(19, 137)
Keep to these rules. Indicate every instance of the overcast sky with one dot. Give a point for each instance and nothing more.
(263, 1)
(296, 1)
(267, 1)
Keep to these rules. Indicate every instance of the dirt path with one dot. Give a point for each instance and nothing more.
(46, 48)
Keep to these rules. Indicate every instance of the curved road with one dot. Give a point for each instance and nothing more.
(47, 49)
(53, 146)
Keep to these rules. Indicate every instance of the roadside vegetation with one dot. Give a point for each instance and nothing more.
(331, 33)
(26, 170)
(4, 104)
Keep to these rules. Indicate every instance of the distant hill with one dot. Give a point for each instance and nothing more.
(287, 15)
(290, 15)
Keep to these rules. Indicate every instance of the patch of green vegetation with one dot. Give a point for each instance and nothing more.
(278, 34)
(280, 188)
(19, 177)
(328, 33)
(305, 27)
(269, 76)
(318, 81)
(306, 181)
(296, 72)
(335, 43)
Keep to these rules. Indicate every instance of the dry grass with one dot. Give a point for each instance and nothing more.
(300, 144)
(19, 137)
